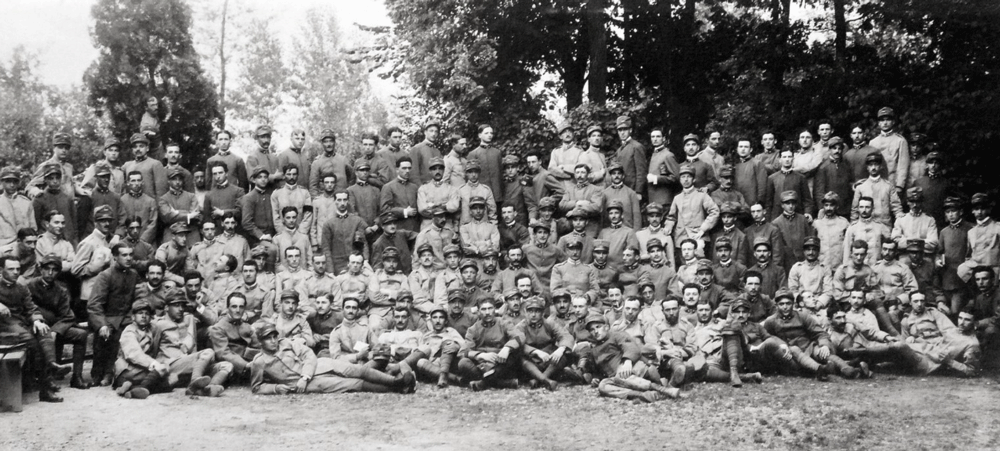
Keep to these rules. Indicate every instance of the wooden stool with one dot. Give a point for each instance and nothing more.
(11, 361)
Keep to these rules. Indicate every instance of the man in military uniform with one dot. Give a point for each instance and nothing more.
(16, 211)
(952, 253)
(579, 220)
(575, 276)
(893, 148)
(111, 297)
(238, 168)
(811, 275)
(61, 143)
(54, 198)
(545, 347)
(399, 196)
(866, 229)
(617, 363)
(693, 212)
(21, 318)
(808, 342)
(494, 348)
(831, 229)
(328, 163)
(564, 158)
(618, 234)
(176, 348)
(53, 302)
(540, 256)
(517, 194)
(619, 192)
(586, 197)
(773, 275)
(138, 202)
(834, 176)
(93, 254)
(935, 187)
(232, 338)
(984, 238)
(655, 229)
(436, 193)
(886, 206)
(728, 271)
(137, 372)
(353, 337)
(662, 177)
(423, 152)
(671, 338)
(739, 245)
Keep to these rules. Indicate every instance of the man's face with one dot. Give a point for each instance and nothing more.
(293, 258)
(836, 152)
(762, 254)
(873, 169)
(249, 274)
(858, 256)
(193, 285)
(786, 159)
(743, 148)
(533, 164)
(431, 133)
(598, 331)
(966, 323)
(104, 225)
(600, 256)
(535, 315)
(396, 138)
(805, 140)
(785, 306)
(292, 176)
(175, 183)
(290, 219)
(687, 251)
(886, 123)
(952, 215)
(829, 209)
(561, 305)
(857, 136)
(740, 315)
(469, 274)
(541, 235)
(437, 173)
(10, 185)
(223, 141)
(889, 251)
(704, 312)
(269, 344)
(757, 211)
(579, 306)
(54, 182)
(351, 309)
(752, 286)
(671, 311)
(111, 154)
(812, 253)
(340, 201)
(237, 307)
(865, 209)
(486, 136)
(142, 318)
(691, 148)
(218, 175)
(390, 265)
(857, 299)
(704, 278)
(175, 310)
(686, 180)
(580, 174)
(726, 182)
(574, 252)
(825, 130)
(624, 133)
(438, 321)
(403, 171)
(288, 306)
(648, 294)
(456, 306)
(655, 220)
(298, 140)
(714, 140)
(838, 321)
(140, 150)
(656, 138)
(260, 181)
(767, 141)
(524, 286)
(354, 263)
(401, 319)
(173, 154)
(728, 219)
(631, 309)
(11, 271)
(917, 303)
(367, 147)
(49, 273)
(487, 311)
(979, 213)
(508, 214)
(329, 146)
(124, 258)
(984, 281)
(933, 166)
(809, 301)
(477, 211)
(264, 141)
(208, 231)
(514, 255)
(154, 276)
(229, 225)
(426, 259)
(595, 139)
(579, 223)
(615, 215)
(615, 296)
(452, 260)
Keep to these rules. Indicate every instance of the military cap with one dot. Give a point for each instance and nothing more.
(953, 202)
(425, 247)
(258, 170)
(615, 166)
(138, 138)
(175, 172)
(811, 241)
(726, 171)
(594, 128)
(511, 294)
(289, 294)
(728, 208)
(327, 133)
(536, 224)
(51, 168)
(457, 295)
(388, 218)
(761, 241)
(784, 293)
(103, 212)
(874, 157)
(266, 330)
(438, 210)
(102, 168)
(62, 139)
(594, 318)
(111, 142)
(477, 200)
(382, 351)
(602, 245)
(654, 208)
(390, 252)
(176, 296)
(886, 111)
(141, 304)
(560, 293)
(576, 213)
(915, 194)
(623, 122)
(511, 160)
(148, 130)
(262, 130)
(257, 251)
(452, 249)
(490, 251)
(686, 169)
(437, 308)
(918, 137)
(739, 302)
(362, 164)
(572, 242)
(834, 141)
(432, 122)
(691, 137)
(980, 199)
(50, 259)
(563, 126)
(653, 243)
(466, 263)
(10, 172)
(831, 197)
(473, 165)
(404, 294)
(534, 303)
(703, 264)
(582, 165)
(724, 242)
(789, 195)
(915, 245)
(547, 202)
(180, 227)
(615, 203)
(934, 156)
(436, 161)
(930, 247)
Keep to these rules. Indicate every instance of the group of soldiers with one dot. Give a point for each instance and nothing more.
(635, 270)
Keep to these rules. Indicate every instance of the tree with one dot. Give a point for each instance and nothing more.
(262, 77)
(146, 50)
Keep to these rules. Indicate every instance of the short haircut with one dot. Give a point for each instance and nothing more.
(691, 285)
(235, 295)
(292, 248)
(747, 275)
(221, 164)
(193, 275)
(251, 263)
(230, 262)
(117, 248)
(224, 132)
(859, 244)
(25, 232)
(286, 209)
(371, 136)
(157, 263)
(483, 127)
(290, 166)
(404, 160)
(392, 130)
(131, 173)
(48, 216)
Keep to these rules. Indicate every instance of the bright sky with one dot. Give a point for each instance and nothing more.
(58, 30)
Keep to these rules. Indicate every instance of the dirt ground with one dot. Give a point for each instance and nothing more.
(889, 412)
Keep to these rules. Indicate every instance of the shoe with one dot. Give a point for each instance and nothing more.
(551, 385)
(106, 380)
(48, 396)
(532, 384)
(78, 383)
(651, 396)
(196, 385)
(137, 393)
(851, 373)
(756, 378)
(409, 382)
(677, 378)
(822, 373)
(734, 379)
(477, 386)
(667, 392)
(213, 391)
(60, 371)
(574, 375)
(507, 383)
(442, 381)
(966, 370)
(588, 378)
(51, 386)
(866, 372)
(123, 389)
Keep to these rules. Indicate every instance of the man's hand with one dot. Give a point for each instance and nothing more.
(217, 212)
(542, 355)
(891, 339)
(651, 179)
(624, 370)
(809, 217)
(283, 389)
(41, 328)
(557, 355)
(300, 386)
(266, 237)
(4, 311)
(160, 368)
(823, 352)
(503, 354)
(784, 351)
(409, 212)
(487, 357)
(104, 332)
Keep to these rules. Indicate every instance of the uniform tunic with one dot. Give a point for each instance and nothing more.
(256, 218)
(395, 197)
(16, 213)
(782, 181)
(662, 234)
(225, 198)
(337, 240)
(751, 180)
(831, 232)
(113, 295)
(794, 231)
(911, 227)
(60, 202)
(92, 257)
(607, 355)
(291, 196)
(984, 243)
(154, 175)
(465, 194)
(454, 169)
(632, 156)
(799, 330)
(237, 168)
(692, 212)
(869, 231)
(576, 277)
(175, 207)
(233, 341)
(846, 277)
(620, 238)
(887, 207)
(541, 260)
(492, 170)
(813, 277)
(896, 153)
(422, 154)
(837, 178)
(954, 249)
(663, 164)
(631, 213)
(143, 206)
(300, 159)
(437, 194)
(704, 174)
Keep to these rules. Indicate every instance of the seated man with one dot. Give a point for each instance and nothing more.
(746, 345)
(353, 337)
(574, 275)
(323, 323)
(545, 346)
(459, 317)
(616, 362)
(290, 322)
(389, 282)
(672, 340)
(232, 338)
(932, 335)
(439, 349)
(494, 350)
(20, 318)
(807, 341)
(285, 366)
(137, 372)
(811, 274)
(175, 347)
(53, 302)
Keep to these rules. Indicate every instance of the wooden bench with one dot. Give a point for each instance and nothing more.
(11, 362)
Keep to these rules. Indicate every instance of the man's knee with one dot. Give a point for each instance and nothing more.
(206, 354)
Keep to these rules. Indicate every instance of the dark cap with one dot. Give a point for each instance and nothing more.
(915, 246)
(404, 294)
(576, 213)
(573, 242)
(980, 199)
(111, 142)
(874, 157)
(686, 169)
(547, 202)
(594, 318)
(935, 156)
(390, 252)
(262, 130)
(789, 196)
(102, 168)
(438, 210)
(141, 304)
(595, 128)
(138, 138)
(886, 111)
(62, 139)
(691, 137)
(724, 242)
(468, 263)
(761, 241)
(726, 171)
(615, 203)
(50, 259)
(615, 166)
(560, 293)
(175, 172)
(834, 141)
(563, 126)
(953, 202)
(623, 122)
(653, 243)
(327, 133)
(362, 164)
(703, 264)
(602, 245)
(257, 170)
(432, 122)
(811, 241)
(534, 303)
(180, 227)
(477, 200)
(266, 330)
(289, 294)
(451, 249)
(388, 218)
(457, 295)
(424, 247)
(51, 168)
(654, 209)
(784, 293)
(511, 160)
(435, 162)
(536, 224)
(473, 165)
(103, 212)
(10, 172)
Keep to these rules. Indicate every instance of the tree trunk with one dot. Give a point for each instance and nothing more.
(840, 28)
(598, 39)
(786, 11)
(222, 67)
